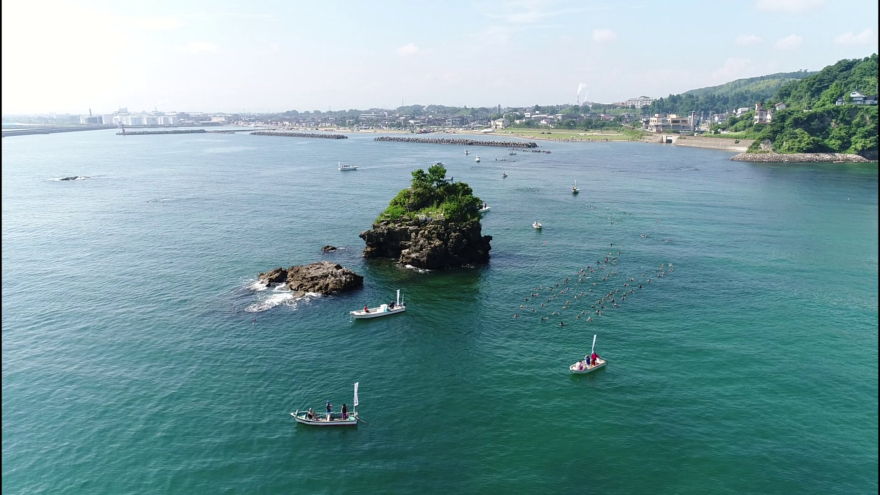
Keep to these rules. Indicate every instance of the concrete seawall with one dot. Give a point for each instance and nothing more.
(300, 134)
(700, 142)
(175, 131)
(460, 142)
(800, 158)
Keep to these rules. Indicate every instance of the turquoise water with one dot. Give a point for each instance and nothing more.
(132, 363)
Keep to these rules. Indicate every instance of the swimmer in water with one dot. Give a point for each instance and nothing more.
(515, 315)
(561, 324)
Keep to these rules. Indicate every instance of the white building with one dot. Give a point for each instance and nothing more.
(641, 101)
(762, 116)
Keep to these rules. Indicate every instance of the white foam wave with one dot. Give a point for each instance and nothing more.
(280, 295)
(271, 302)
(420, 270)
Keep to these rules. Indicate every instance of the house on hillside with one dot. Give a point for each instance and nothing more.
(739, 111)
(762, 116)
(780, 106)
(857, 98)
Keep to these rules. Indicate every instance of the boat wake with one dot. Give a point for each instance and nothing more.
(73, 177)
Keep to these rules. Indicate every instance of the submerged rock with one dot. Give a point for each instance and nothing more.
(430, 245)
(328, 249)
(322, 277)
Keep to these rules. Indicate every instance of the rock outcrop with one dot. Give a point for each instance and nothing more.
(322, 277)
(328, 249)
(432, 245)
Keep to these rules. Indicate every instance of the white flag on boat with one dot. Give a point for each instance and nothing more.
(356, 394)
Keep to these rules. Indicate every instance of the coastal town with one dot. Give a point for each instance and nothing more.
(422, 119)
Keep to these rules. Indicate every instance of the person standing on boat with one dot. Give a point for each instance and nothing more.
(366, 309)
(329, 410)
(586, 361)
(594, 357)
(344, 411)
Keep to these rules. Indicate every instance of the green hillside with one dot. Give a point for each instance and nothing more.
(725, 97)
(812, 123)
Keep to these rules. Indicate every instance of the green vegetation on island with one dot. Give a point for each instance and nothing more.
(432, 195)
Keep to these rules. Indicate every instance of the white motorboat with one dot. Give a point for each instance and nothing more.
(466, 152)
(344, 167)
(477, 160)
(537, 225)
(574, 189)
(583, 367)
(580, 367)
(484, 209)
(381, 310)
(333, 419)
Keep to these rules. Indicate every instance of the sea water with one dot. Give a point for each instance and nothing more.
(140, 355)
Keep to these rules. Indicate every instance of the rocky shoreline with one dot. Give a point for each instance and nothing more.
(800, 158)
(299, 134)
(429, 245)
(460, 142)
(322, 277)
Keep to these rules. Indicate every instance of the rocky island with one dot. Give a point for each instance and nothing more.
(322, 277)
(433, 224)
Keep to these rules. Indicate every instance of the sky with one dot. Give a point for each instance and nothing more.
(268, 56)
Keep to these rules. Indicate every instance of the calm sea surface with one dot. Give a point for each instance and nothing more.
(132, 362)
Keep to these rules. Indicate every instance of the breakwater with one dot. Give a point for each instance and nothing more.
(175, 131)
(460, 142)
(799, 158)
(300, 134)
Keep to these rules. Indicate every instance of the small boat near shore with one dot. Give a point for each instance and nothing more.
(503, 175)
(329, 419)
(537, 226)
(574, 189)
(381, 310)
(477, 160)
(344, 167)
(485, 208)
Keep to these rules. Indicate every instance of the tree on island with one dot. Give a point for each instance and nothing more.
(432, 195)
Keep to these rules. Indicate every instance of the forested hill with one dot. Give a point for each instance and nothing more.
(813, 123)
(825, 87)
(719, 99)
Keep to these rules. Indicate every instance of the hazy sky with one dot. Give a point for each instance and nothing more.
(272, 56)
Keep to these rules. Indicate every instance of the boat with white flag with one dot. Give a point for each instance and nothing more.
(382, 310)
(588, 365)
(329, 419)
